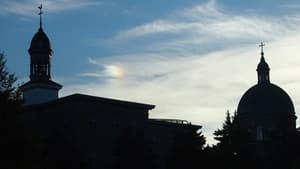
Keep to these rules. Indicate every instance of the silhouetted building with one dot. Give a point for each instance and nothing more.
(91, 124)
(265, 107)
(40, 88)
(95, 126)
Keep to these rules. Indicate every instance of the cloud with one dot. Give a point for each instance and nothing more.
(183, 21)
(204, 65)
(29, 7)
(104, 70)
(111, 71)
(210, 22)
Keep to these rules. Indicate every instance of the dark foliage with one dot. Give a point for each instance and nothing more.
(17, 150)
(233, 149)
(10, 100)
(237, 149)
(187, 149)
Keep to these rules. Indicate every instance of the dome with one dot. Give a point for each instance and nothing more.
(40, 43)
(265, 107)
(266, 99)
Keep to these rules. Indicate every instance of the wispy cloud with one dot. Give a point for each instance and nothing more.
(104, 70)
(183, 21)
(207, 21)
(203, 66)
(29, 7)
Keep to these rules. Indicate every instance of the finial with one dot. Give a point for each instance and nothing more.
(262, 48)
(40, 13)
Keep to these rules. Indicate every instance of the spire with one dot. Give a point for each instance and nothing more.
(263, 68)
(40, 13)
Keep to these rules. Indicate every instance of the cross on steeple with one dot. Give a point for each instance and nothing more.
(262, 47)
(40, 13)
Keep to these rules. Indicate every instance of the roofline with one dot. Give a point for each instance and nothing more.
(172, 122)
(94, 98)
(47, 83)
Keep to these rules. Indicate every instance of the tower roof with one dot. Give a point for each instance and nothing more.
(40, 43)
(262, 65)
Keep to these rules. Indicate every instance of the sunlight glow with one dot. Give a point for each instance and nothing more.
(114, 71)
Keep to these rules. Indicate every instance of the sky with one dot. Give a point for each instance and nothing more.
(193, 59)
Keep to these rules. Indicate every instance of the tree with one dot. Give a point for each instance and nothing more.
(187, 149)
(233, 147)
(223, 136)
(7, 82)
(17, 150)
(10, 95)
(224, 149)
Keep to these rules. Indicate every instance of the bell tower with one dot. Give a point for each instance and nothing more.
(40, 87)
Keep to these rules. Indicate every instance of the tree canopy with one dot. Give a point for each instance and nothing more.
(8, 87)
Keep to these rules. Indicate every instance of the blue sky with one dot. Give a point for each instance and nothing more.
(193, 59)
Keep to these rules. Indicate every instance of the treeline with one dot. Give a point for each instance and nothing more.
(235, 149)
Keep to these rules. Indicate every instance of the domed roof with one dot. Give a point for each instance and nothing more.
(40, 43)
(264, 99)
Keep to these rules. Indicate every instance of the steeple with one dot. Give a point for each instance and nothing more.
(263, 68)
(40, 88)
(40, 54)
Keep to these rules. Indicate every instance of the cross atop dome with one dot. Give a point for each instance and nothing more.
(262, 47)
